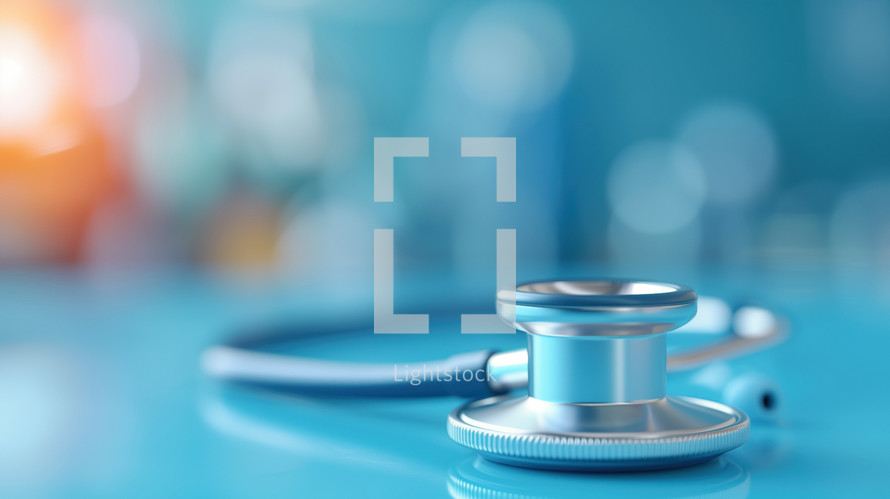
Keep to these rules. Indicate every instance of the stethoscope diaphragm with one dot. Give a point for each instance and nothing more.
(597, 369)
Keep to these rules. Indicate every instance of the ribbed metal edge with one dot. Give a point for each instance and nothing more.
(588, 449)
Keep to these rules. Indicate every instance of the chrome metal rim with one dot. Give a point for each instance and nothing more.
(514, 430)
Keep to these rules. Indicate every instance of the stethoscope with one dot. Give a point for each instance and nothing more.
(595, 369)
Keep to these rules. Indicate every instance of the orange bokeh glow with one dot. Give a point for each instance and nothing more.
(54, 166)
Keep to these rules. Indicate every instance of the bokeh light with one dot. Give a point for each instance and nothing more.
(850, 41)
(656, 187)
(38, 429)
(111, 58)
(261, 78)
(514, 56)
(178, 156)
(29, 81)
(736, 148)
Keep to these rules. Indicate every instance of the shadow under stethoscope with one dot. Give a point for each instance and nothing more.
(476, 477)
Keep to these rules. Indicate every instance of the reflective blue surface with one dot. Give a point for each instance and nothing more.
(102, 394)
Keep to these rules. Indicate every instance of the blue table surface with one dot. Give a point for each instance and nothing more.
(101, 394)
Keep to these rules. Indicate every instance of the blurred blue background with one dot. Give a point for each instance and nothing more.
(170, 169)
(238, 135)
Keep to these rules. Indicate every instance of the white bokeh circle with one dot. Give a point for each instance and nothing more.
(656, 187)
(736, 148)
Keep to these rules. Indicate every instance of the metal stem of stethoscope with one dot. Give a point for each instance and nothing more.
(509, 370)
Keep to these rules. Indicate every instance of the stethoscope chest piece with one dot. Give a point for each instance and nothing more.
(597, 370)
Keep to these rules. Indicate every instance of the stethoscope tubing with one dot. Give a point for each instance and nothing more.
(240, 361)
